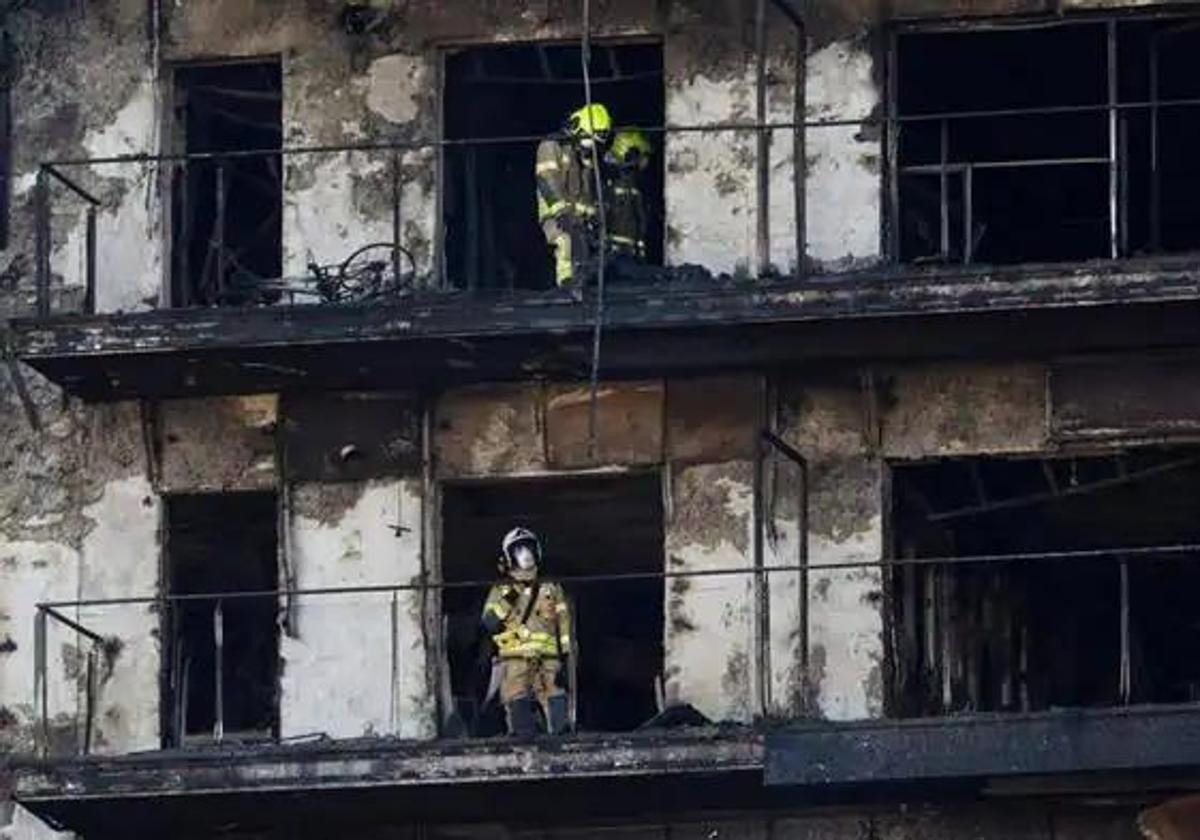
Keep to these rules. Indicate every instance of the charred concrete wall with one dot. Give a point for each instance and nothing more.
(84, 521)
(80, 515)
(81, 504)
(849, 425)
(707, 459)
(699, 434)
(354, 664)
(382, 84)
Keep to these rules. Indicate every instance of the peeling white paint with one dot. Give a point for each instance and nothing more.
(710, 192)
(781, 548)
(134, 129)
(321, 222)
(708, 638)
(337, 673)
(394, 83)
(129, 255)
(848, 626)
(843, 181)
(23, 184)
(419, 207)
(32, 573)
(121, 559)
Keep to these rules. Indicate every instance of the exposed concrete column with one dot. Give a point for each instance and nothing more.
(823, 419)
(708, 639)
(338, 675)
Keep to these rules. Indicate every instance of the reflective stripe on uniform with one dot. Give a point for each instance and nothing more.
(525, 643)
(499, 610)
(497, 605)
(550, 209)
(560, 241)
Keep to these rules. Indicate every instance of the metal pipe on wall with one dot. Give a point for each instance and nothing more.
(396, 195)
(762, 594)
(219, 672)
(891, 232)
(219, 233)
(1114, 173)
(40, 692)
(89, 299)
(42, 241)
(802, 583)
(763, 158)
(800, 148)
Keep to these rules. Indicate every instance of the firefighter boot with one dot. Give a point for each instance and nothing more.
(522, 718)
(556, 714)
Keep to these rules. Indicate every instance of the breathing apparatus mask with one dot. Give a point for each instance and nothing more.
(521, 554)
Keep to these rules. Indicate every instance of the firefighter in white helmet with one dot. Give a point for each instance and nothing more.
(530, 623)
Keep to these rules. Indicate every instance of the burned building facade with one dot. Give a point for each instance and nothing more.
(874, 493)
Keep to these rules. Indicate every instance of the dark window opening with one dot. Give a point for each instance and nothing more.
(219, 543)
(227, 226)
(1106, 629)
(588, 526)
(492, 236)
(1046, 187)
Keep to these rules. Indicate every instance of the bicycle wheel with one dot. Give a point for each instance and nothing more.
(370, 272)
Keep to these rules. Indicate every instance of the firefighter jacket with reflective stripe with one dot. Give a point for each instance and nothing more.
(547, 630)
(565, 183)
(626, 213)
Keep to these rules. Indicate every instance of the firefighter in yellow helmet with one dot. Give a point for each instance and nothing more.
(625, 165)
(530, 623)
(566, 190)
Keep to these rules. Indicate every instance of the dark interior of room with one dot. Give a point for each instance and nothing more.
(588, 526)
(493, 239)
(1056, 208)
(227, 107)
(221, 542)
(1046, 632)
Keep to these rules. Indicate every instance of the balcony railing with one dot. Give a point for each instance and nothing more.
(383, 265)
(380, 264)
(100, 630)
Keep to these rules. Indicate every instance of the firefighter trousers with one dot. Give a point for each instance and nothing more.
(526, 681)
(570, 247)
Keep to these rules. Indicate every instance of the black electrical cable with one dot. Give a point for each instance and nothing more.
(602, 235)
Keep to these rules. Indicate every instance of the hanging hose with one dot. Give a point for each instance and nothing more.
(598, 321)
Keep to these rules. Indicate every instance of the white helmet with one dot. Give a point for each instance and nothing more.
(522, 553)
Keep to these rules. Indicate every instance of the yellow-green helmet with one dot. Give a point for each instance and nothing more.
(631, 146)
(591, 122)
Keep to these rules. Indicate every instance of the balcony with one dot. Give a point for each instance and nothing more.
(388, 265)
(209, 763)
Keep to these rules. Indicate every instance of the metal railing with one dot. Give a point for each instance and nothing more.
(762, 129)
(433, 275)
(94, 645)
